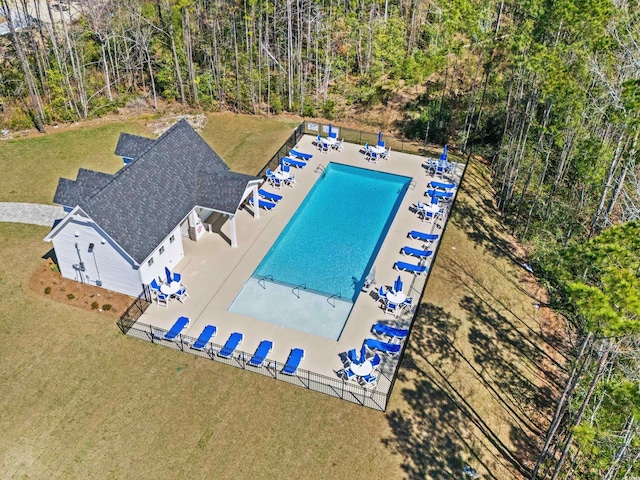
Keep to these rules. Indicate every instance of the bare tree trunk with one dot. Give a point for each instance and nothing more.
(289, 56)
(562, 403)
(235, 48)
(77, 73)
(25, 68)
(539, 147)
(604, 355)
(607, 186)
(61, 65)
(107, 80)
(189, 51)
(621, 179)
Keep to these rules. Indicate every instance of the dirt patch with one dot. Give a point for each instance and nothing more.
(197, 121)
(47, 282)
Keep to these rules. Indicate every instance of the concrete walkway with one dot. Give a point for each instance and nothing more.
(32, 213)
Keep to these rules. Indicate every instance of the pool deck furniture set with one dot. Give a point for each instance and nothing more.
(258, 359)
(170, 287)
(361, 368)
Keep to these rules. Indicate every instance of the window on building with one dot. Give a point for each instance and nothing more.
(172, 238)
(150, 262)
(161, 250)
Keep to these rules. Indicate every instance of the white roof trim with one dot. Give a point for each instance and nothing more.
(77, 210)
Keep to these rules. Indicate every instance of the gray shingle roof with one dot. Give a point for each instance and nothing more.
(70, 192)
(141, 204)
(132, 146)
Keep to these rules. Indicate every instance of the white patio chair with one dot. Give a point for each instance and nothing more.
(291, 181)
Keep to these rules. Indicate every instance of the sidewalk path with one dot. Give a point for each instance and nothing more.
(31, 213)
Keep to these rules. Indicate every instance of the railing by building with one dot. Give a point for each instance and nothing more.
(135, 310)
(376, 397)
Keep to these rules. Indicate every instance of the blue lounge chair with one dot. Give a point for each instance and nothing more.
(272, 197)
(232, 343)
(262, 204)
(390, 348)
(206, 334)
(386, 330)
(301, 155)
(154, 285)
(425, 237)
(414, 252)
(295, 357)
(439, 194)
(442, 186)
(261, 353)
(180, 324)
(410, 267)
(293, 163)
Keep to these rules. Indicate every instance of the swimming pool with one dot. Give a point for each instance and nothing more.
(332, 240)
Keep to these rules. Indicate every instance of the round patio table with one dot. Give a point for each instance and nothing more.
(430, 208)
(280, 175)
(362, 369)
(378, 149)
(171, 288)
(397, 297)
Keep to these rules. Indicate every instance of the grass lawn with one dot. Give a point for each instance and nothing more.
(31, 167)
(80, 400)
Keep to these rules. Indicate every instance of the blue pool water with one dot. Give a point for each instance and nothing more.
(333, 238)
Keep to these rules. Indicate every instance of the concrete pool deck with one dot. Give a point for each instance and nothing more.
(215, 273)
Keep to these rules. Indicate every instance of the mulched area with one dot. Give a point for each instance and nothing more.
(47, 281)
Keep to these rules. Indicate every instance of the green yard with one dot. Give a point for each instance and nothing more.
(80, 400)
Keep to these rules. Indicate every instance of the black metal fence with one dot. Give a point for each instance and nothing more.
(350, 135)
(283, 151)
(360, 137)
(375, 397)
(135, 310)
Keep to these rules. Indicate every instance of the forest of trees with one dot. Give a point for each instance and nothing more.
(547, 91)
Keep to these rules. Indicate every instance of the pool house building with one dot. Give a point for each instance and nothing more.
(122, 230)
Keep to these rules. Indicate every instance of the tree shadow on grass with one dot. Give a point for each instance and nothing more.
(499, 344)
(485, 295)
(474, 213)
(426, 436)
(434, 435)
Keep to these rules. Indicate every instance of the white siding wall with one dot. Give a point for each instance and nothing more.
(170, 257)
(105, 264)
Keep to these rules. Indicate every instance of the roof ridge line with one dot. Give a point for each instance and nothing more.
(124, 169)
